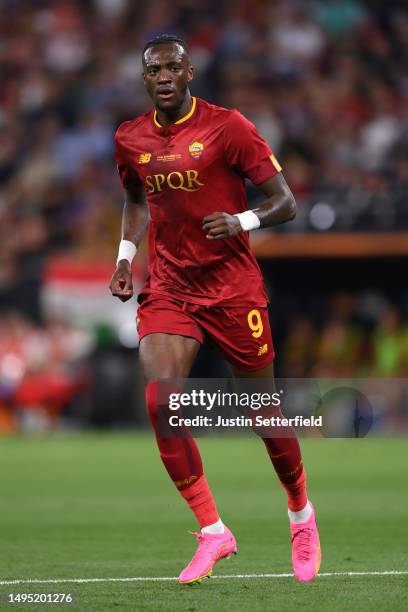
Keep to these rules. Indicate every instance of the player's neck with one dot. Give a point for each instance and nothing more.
(169, 118)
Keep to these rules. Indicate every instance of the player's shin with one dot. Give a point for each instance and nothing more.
(286, 458)
(181, 458)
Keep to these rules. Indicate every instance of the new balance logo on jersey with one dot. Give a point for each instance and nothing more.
(186, 181)
(262, 350)
(144, 158)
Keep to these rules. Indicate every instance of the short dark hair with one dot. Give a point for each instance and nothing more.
(165, 39)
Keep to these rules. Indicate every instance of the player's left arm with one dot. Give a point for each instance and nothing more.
(247, 154)
(279, 207)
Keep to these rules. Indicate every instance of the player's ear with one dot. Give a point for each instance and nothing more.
(190, 73)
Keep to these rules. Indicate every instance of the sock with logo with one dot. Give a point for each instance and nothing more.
(181, 457)
(287, 461)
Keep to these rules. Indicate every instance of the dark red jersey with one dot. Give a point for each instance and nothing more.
(190, 169)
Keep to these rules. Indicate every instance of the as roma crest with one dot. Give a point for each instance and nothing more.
(196, 149)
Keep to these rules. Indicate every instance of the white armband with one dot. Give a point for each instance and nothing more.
(248, 220)
(127, 250)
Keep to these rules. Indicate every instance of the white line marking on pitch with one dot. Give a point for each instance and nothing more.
(171, 578)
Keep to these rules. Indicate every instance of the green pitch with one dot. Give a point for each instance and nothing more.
(88, 506)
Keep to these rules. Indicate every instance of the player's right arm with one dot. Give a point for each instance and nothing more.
(135, 218)
(135, 212)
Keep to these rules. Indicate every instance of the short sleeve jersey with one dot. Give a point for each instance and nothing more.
(191, 169)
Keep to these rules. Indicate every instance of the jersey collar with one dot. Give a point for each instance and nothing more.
(179, 121)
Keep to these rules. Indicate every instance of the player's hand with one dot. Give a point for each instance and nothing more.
(221, 225)
(121, 285)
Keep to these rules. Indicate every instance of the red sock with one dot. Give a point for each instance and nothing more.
(287, 461)
(200, 499)
(182, 461)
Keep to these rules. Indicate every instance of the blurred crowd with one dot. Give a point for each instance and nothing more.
(345, 335)
(325, 82)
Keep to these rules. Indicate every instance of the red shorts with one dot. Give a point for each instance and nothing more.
(243, 334)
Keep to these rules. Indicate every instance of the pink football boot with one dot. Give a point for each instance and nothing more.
(306, 553)
(211, 548)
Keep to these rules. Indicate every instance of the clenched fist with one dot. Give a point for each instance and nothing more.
(221, 225)
(121, 284)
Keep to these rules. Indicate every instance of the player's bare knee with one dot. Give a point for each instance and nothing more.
(167, 355)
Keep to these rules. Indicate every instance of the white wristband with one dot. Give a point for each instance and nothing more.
(248, 220)
(127, 250)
